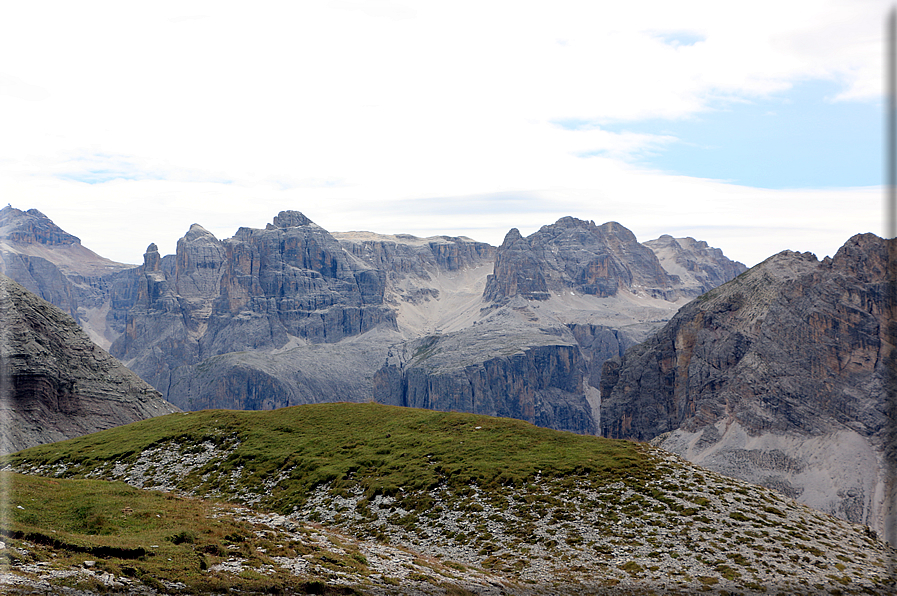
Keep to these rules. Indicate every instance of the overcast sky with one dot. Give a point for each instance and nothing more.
(753, 125)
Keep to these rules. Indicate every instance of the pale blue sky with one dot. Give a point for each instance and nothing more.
(798, 138)
(748, 125)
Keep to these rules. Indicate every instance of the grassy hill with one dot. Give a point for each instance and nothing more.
(466, 502)
(383, 449)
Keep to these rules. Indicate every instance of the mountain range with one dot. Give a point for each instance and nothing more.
(293, 314)
(775, 376)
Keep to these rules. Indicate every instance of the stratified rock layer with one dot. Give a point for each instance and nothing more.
(55, 383)
(777, 377)
(576, 255)
(502, 366)
(254, 291)
(558, 304)
(292, 314)
(53, 264)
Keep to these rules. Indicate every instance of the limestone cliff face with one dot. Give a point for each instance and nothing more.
(55, 383)
(698, 266)
(551, 313)
(777, 377)
(292, 314)
(404, 254)
(297, 270)
(598, 344)
(53, 264)
(518, 271)
(254, 291)
(573, 255)
(501, 367)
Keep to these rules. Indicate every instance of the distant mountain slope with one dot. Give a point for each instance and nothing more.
(53, 264)
(777, 377)
(294, 314)
(260, 290)
(699, 267)
(488, 505)
(55, 383)
(576, 256)
(556, 306)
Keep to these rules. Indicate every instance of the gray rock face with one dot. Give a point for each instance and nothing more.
(777, 377)
(410, 264)
(55, 383)
(308, 370)
(254, 291)
(598, 344)
(576, 255)
(292, 314)
(405, 254)
(536, 351)
(499, 367)
(699, 267)
(33, 227)
(54, 265)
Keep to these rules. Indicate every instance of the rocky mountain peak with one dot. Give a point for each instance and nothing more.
(291, 219)
(575, 255)
(32, 227)
(152, 260)
(196, 232)
(777, 377)
(512, 237)
(517, 271)
(698, 266)
(666, 240)
(570, 222)
(864, 256)
(55, 265)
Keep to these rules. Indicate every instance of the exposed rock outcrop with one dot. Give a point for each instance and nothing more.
(699, 267)
(777, 377)
(502, 366)
(33, 227)
(259, 290)
(292, 314)
(55, 383)
(419, 270)
(53, 264)
(599, 343)
(576, 255)
(404, 254)
(579, 292)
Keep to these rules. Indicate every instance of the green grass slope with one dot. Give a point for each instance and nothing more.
(466, 502)
(382, 449)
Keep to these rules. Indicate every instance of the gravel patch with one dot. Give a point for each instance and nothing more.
(688, 530)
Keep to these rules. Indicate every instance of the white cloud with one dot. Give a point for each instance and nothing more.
(16, 87)
(223, 114)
